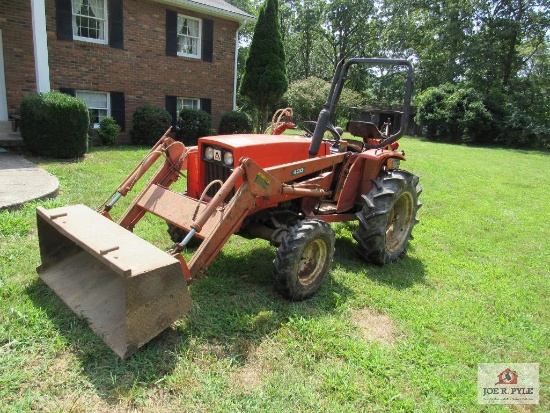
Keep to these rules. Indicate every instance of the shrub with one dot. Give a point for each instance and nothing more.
(524, 131)
(108, 131)
(193, 124)
(455, 113)
(149, 123)
(235, 122)
(55, 124)
(306, 98)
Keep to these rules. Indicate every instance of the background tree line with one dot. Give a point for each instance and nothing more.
(482, 66)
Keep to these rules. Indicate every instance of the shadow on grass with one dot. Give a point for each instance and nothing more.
(403, 274)
(236, 299)
(112, 377)
(489, 146)
(235, 308)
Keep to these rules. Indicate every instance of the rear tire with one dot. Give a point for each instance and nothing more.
(303, 259)
(388, 217)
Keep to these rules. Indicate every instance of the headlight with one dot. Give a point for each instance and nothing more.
(209, 153)
(228, 158)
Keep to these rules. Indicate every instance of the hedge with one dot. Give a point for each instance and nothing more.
(55, 124)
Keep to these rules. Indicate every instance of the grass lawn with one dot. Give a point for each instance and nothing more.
(473, 288)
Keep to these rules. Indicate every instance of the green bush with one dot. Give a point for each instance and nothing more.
(455, 113)
(55, 124)
(108, 131)
(149, 123)
(193, 124)
(235, 122)
(522, 130)
(306, 98)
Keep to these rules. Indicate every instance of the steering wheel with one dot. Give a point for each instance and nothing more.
(330, 128)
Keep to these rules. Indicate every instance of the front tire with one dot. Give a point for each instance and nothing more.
(303, 259)
(388, 217)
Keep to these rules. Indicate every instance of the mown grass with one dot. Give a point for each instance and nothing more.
(473, 288)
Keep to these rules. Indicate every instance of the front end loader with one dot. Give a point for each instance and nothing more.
(282, 188)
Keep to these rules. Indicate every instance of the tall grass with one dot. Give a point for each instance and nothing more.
(473, 288)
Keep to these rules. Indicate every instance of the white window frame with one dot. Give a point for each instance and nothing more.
(105, 21)
(184, 103)
(181, 37)
(107, 109)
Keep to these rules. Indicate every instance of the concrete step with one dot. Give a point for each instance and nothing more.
(9, 138)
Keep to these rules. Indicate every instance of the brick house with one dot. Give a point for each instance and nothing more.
(119, 54)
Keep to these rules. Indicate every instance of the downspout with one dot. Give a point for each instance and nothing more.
(236, 63)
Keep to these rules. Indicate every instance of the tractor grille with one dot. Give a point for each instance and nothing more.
(213, 171)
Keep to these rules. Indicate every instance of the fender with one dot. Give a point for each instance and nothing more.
(365, 169)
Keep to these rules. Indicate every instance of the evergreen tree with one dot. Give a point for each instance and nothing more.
(265, 78)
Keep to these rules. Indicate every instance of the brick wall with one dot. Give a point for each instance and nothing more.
(16, 25)
(141, 70)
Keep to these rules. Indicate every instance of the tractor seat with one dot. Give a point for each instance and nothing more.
(365, 130)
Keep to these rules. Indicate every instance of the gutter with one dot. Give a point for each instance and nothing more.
(234, 15)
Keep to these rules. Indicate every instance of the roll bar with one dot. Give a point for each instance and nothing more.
(334, 96)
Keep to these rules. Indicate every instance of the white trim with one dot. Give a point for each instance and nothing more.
(94, 92)
(39, 35)
(105, 19)
(3, 97)
(197, 6)
(180, 106)
(199, 38)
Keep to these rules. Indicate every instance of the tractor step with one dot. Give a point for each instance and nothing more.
(125, 288)
(326, 208)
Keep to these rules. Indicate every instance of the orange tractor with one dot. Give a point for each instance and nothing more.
(282, 188)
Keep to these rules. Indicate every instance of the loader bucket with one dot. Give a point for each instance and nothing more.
(125, 288)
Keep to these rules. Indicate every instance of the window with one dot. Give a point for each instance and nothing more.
(189, 36)
(98, 105)
(188, 103)
(90, 20)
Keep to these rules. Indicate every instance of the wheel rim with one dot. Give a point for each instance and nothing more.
(399, 222)
(312, 261)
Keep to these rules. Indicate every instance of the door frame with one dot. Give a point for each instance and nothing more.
(3, 95)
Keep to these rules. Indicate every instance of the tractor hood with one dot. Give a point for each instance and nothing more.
(265, 150)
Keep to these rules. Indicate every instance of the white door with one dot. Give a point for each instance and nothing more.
(3, 98)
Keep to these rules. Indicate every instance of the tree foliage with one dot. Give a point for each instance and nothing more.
(265, 79)
(455, 113)
(499, 48)
(307, 96)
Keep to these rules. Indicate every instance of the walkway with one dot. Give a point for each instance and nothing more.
(21, 181)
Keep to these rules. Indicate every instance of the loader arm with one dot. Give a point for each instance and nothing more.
(167, 173)
(258, 182)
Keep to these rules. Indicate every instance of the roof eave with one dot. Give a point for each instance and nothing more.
(210, 10)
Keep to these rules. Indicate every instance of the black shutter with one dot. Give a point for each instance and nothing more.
(171, 33)
(206, 105)
(207, 40)
(116, 24)
(67, 91)
(172, 108)
(64, 19)
(118, 109)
